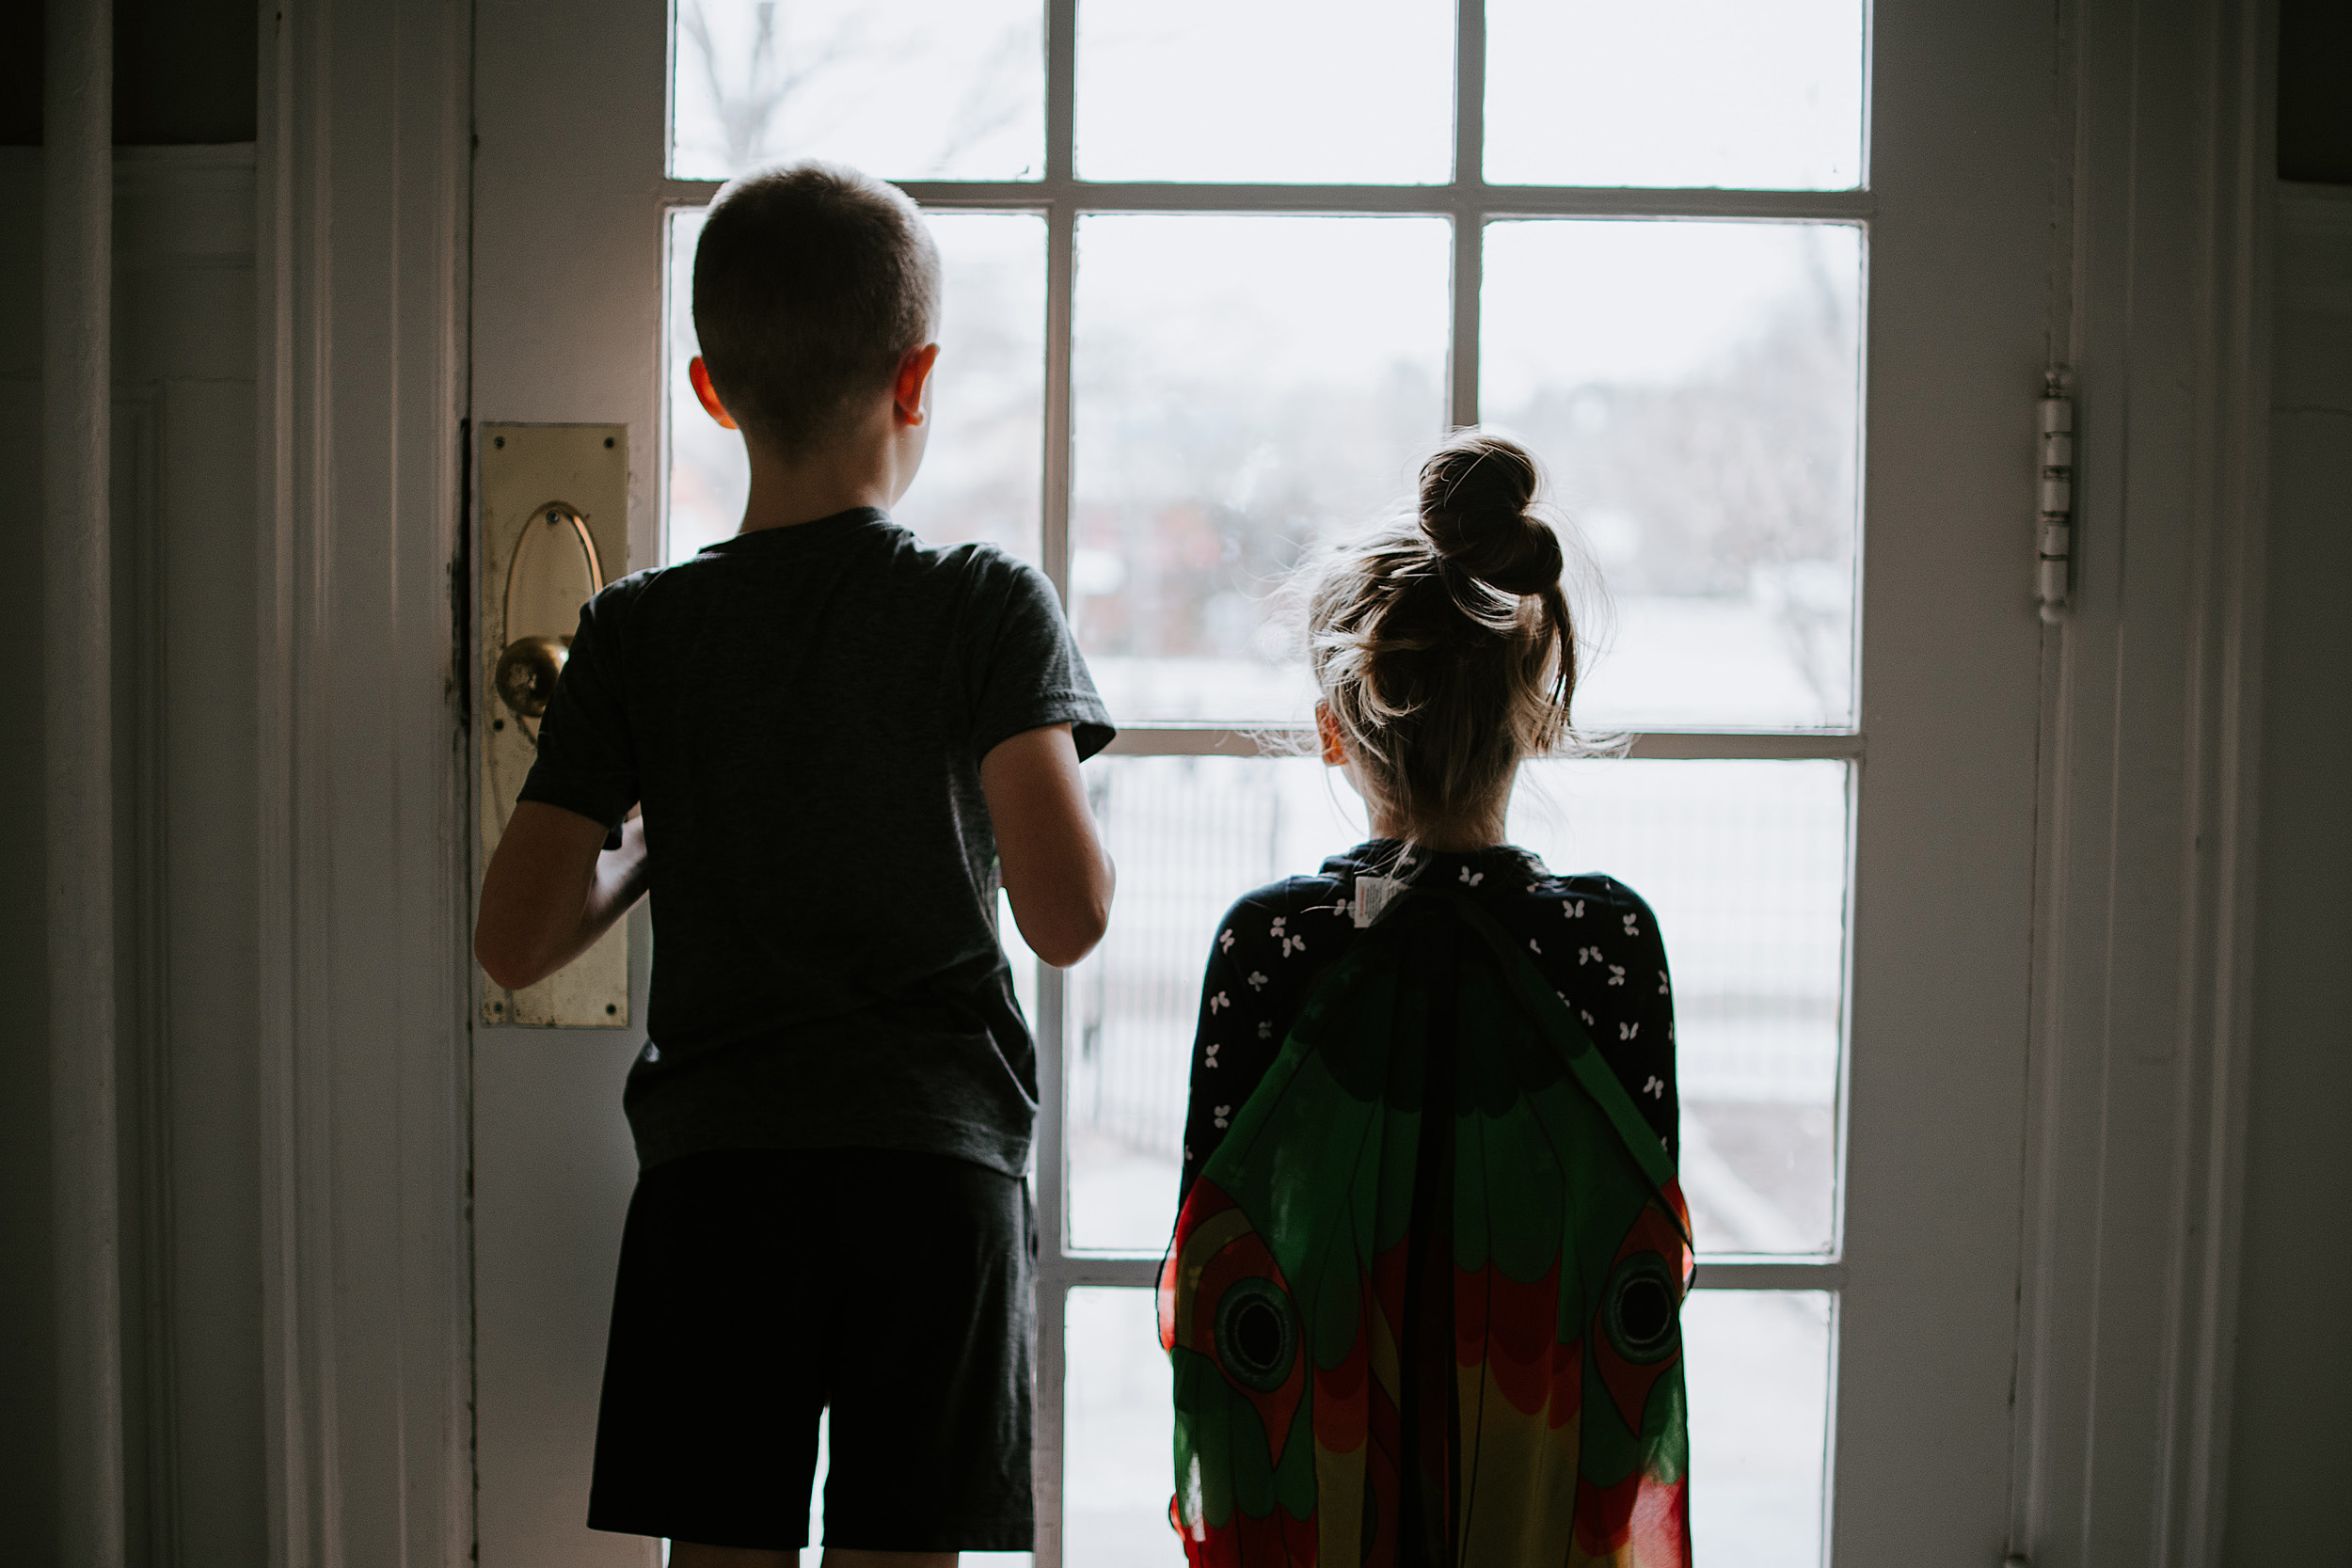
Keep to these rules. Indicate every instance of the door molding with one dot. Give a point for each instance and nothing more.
(2151, 733)
(78, 791)
(361, 218)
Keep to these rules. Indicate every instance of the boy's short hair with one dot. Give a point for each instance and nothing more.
(812, 281)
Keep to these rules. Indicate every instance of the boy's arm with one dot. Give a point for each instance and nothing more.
(551, 890)
(1055, 869)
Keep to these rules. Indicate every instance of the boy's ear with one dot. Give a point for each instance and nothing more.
(910, 396)
(699, 374)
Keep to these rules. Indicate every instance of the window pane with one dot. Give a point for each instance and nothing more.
(1756, 1366)
(1190, 835)
(1746, 864)
(922, 89)
(1119, 1469)
(1693, 391)
(1708, 92)
(1743, 861)
(1338, 91)
(1243, 386)
(1756, 1363)
(981, 473)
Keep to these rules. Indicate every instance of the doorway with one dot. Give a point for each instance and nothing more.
(1764, 289)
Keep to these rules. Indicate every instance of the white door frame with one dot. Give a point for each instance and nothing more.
(2144, 920)
(362, 189)
(2120, 1196)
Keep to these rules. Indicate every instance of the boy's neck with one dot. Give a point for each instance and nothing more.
(867, 466)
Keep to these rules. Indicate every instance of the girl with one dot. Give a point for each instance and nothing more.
(1434, 1052)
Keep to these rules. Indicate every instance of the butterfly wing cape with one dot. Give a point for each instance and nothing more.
(1423, 1302)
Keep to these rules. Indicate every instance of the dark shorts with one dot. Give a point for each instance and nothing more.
(758, 1287)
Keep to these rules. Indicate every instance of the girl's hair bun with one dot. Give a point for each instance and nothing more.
(1443, 645)
(1475, 493)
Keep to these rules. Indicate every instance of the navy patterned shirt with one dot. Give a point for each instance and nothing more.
(1591, 936)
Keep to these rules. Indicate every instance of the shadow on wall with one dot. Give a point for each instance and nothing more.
(2314, 111)
(186, 72)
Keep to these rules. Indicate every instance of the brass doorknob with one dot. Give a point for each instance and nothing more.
(527, 671)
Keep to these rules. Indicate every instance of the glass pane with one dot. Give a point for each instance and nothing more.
(1119, 1442)
(980, 477)
(1693, 389)
(1336, 91)
(1756, 1364)
(1190, 835)
(1243, 386)
(1707, 92)
(922, 89)
(1746, 864)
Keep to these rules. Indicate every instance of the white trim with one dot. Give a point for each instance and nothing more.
(77, 738)
(1469, 198)
(1469, 215)
(2150, 731)
(1237, 740)
(1769, 1274)
(1138, 1271)
(360, 195)
(1049, 1416)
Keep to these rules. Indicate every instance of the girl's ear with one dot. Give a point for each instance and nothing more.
(1328, 731)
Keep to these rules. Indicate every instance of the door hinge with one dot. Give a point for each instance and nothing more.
(2057, 531)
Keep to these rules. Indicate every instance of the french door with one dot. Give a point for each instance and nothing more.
(1763, 286)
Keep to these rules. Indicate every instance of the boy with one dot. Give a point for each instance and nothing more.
(837, 736)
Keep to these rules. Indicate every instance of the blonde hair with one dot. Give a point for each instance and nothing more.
(1442, 642)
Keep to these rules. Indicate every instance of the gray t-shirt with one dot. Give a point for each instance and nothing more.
(801, 712)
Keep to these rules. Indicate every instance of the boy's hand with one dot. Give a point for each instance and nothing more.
(1055, 869)
(551, 890)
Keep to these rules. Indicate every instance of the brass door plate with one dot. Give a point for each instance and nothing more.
(554, 526)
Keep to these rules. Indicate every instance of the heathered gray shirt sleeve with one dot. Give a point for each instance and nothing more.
(1032, 674)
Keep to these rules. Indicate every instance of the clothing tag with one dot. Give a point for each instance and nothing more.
(1373, 894)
